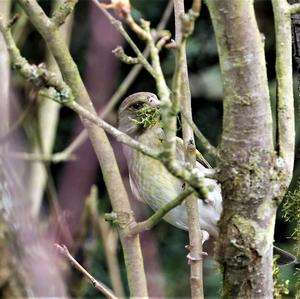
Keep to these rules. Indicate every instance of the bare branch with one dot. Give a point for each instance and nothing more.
(204, 141)
(285, 94)
(96, 284)
(119, 53)
(63, 11)
(184, 26)
(159, 214)
(294, 8)
(54, 158)
(120, 136)
(118, 25)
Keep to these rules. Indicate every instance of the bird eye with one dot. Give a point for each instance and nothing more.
(137, 106)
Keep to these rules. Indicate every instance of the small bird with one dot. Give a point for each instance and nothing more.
(151, 182)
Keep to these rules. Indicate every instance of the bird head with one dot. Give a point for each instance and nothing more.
(138, 112)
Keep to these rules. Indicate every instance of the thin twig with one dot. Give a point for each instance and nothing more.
(96, 284)
(54, 158)
(204, 141)
(120, 136)
(118, 25)
(107, 234)
(19, 121)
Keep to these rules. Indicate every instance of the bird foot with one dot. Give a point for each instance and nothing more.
(192, 258)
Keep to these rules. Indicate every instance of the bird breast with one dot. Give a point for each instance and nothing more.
(152, 183)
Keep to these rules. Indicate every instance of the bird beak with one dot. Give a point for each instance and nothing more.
(154, 101)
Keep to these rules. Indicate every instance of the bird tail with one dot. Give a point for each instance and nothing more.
(285, 257)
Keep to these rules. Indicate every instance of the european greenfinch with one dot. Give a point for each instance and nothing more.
(151, 182)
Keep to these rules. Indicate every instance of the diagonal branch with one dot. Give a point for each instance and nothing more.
(139, 227)
(123, 87)
(118, 25)
(63, 11)
(111, 174)
(204, 141)
(96, 284)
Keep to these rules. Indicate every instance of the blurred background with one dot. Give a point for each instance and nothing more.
(58, 193)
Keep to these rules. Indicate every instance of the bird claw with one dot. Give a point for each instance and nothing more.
(194, 259)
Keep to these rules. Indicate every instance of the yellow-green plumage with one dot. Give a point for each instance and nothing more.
(150, 180)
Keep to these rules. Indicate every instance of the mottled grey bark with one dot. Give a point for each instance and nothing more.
(247, 174)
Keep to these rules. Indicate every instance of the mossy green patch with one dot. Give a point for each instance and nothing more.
(147, 116)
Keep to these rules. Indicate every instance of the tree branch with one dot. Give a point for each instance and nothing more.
(54, 158)
(61, 93)
(285, 94)
(63, 11)
(47, 121)
(123, 87)
(247, 153)
(211, 150)
(96, 284)
(184, 26)
(118, 25)
(102, 147)
(294, 8)
(139, 227)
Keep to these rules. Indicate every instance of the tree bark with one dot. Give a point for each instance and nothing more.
(244, 247)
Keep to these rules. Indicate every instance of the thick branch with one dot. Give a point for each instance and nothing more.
(244, 247)
(294, 8)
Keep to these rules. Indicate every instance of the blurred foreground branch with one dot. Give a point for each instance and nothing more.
(96, 284)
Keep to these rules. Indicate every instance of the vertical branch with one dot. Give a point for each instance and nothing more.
(184, 96)
(48, 113)
(102, 147)
(4, 75)
(285, 95)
